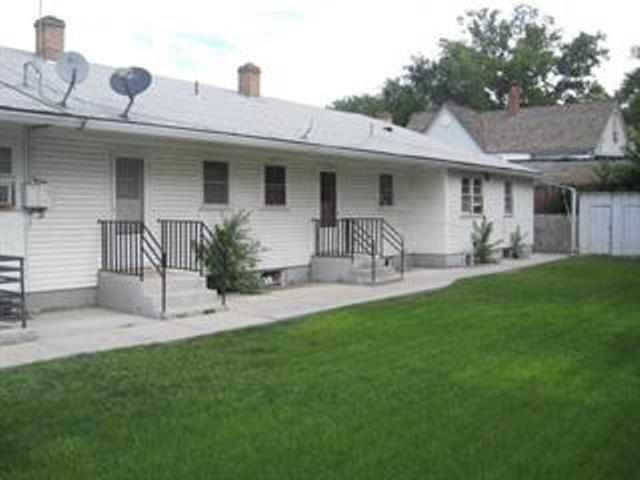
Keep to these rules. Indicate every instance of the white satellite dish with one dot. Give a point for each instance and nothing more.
(72, 69)
(130, 82)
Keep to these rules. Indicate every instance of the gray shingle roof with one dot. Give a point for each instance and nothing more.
(557, 129)
(172, 103)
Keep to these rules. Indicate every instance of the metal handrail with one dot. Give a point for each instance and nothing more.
(183, 241)
(359, 235)
(9, 296)
(126, 244)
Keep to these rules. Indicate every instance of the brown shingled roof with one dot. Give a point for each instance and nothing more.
(556, 129)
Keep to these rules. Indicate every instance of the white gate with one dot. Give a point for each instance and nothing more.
(610, 223)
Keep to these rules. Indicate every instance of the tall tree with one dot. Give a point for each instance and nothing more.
(629, 97)
(524, 48)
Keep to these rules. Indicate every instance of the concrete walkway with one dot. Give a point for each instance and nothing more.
(71, 332)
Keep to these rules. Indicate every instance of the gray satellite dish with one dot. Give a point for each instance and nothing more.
(72, 69)
(130, 82)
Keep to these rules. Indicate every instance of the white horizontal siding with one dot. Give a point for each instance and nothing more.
(12, 222)
(64, 243)
(460, 225)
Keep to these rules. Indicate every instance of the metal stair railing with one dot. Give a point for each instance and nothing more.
(12, 292)
(126, 246)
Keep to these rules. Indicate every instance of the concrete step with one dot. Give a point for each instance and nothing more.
(186, 298)
(362, 276)
(176, 281)
(187, 294)
(364, 261)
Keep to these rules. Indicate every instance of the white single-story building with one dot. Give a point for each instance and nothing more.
(318, 183)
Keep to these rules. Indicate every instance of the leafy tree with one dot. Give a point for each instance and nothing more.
(524, 48)
(232, 256)
(629, 96)
(371, 105)
(621, 176)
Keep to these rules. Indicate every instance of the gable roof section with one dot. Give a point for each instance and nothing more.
(173, 105)
(557, 129)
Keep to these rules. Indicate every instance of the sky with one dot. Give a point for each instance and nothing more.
(310, 51)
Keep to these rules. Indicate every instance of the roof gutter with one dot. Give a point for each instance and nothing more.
(187, 133)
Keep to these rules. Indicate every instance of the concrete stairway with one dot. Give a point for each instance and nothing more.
(187, 294)
(384, 273)
(353, 271)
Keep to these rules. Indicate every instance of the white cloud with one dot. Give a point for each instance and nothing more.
(310, 51)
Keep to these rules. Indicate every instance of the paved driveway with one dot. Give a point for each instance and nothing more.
(71, 332)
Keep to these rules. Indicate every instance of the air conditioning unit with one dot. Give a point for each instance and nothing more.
(7, 193)
(36, 196)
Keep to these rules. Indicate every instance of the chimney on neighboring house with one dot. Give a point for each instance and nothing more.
(49, 37)
(249, 80)
(513, 103)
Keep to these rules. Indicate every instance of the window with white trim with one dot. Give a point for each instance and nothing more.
(275, 185)
(471, 196)
(6, 168)
(7, 184)
(385, 189)
(216, 183)
(508, 197)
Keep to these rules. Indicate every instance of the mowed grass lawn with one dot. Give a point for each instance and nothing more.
(533, 374)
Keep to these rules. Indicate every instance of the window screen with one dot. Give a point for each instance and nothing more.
(275, 185)
(508, 198)
(386, 190)
(216, 182)
(5, 161)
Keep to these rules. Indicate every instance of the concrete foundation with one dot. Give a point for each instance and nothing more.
(56, 299)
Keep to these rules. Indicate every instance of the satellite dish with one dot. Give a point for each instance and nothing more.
(72, 69)
(130, 82)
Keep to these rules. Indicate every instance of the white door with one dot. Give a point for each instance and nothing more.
(600, 229)
(630, 241)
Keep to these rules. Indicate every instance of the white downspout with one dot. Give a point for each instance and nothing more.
(574, 216)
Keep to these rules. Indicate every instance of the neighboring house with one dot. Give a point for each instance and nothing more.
(563, 142)
(320, 184)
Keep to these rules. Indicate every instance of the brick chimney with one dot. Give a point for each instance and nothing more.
(513, 103)
(49, 37)
(249, 80)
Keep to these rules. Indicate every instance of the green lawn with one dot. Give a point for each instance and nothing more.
(534, 374)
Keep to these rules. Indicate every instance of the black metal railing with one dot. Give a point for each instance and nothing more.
(351, 236)
(128, 247)
(183, 241)
(12, 294)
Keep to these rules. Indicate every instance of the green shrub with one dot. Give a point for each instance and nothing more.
(483, 248)
(516, 244)
(231, 257)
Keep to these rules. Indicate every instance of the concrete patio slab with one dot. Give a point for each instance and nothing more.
(70, 332)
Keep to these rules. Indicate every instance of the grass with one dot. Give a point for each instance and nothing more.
(526, 375)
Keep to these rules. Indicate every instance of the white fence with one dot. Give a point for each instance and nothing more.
(610, 223)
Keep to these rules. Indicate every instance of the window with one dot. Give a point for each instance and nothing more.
(386, 190)
(508, 197)
(5, 161)
(216, 183)
(7, 186)
(275, 185)
(471, 196)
